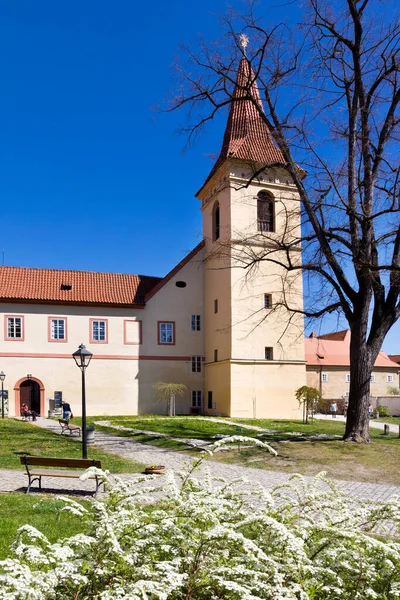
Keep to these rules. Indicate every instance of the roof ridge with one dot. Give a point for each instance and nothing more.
(78, 271)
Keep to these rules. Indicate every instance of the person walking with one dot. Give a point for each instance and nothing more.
(66, 408)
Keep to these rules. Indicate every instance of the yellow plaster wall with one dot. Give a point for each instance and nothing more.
(337, 387)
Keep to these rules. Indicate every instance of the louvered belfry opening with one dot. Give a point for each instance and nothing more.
(265, 212)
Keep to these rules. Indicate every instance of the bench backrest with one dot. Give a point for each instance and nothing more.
(63, 422)
(73, 463)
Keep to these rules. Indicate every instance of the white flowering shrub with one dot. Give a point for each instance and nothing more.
(206, 539)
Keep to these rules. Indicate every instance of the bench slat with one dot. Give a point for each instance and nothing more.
(51, 473)
(72, 463)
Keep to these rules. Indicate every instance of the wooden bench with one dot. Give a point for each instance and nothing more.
(66, 426)
(66, 463)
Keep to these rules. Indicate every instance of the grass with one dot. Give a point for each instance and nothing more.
(19, 437)
(374, 463)
(41, 512)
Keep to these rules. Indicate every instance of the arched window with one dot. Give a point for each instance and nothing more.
(215, 221)
(265, 212)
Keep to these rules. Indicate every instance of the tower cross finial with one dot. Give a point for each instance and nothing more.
(244, 41)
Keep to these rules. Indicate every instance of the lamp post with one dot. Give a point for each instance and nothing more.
(2, 378)
(82, 358)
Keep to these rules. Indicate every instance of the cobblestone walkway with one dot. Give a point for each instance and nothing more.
(11, 480)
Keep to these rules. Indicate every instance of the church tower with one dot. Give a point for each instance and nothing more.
(254, 346)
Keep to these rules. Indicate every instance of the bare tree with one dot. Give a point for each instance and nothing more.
(330, 91)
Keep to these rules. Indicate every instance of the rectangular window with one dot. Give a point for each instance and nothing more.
(166, 332)
(98, 330)
(215, 355)
(267, 300)
(196, 399)
(196, 364)
(210, 400)
(57, 329)
(372, 380)
(348, 378)
(269, 355)
(14, 328)
(216, 305)
(195, 323)
(324, 377)
(389, 378)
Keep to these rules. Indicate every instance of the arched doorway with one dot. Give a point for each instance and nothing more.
(29, 391)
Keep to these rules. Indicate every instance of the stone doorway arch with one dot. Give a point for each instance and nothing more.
(34, 384)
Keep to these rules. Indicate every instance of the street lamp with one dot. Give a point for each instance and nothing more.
(82, 358)
(2, 378)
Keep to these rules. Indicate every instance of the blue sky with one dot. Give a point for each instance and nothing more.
(92, 175)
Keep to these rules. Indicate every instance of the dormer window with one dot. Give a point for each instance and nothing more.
(265, 212)
(215, 221)
(66, 286)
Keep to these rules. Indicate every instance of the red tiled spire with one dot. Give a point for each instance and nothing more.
(247, 136)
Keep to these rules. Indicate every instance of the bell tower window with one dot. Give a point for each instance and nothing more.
(215, 221)
(265, 212)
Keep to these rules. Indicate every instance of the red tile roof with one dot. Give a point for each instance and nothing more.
(333, 349)
(395, 358)
(86, 287)
(247, 136)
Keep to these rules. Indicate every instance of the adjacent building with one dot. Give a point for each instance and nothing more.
(328, 367)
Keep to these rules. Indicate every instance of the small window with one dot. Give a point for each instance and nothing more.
(166, 332)
(196, 399)
(15, 328)
(57, 329)
(196, 364)
(98, 330)
(372, 379)
(180, 284)
(210, 400)
(215, 222)
(389, 379)
(195, 323)
(348, 378)
(269, 353)
(215, 305)
(215, 355)
(324, 377)
(267, 300)
(265, 212)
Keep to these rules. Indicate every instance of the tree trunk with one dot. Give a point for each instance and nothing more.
(357, 424)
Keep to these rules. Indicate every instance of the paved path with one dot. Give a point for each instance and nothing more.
(372, 423)
(11, 480)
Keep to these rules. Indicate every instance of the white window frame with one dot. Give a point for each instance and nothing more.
(196, 399)
(99, 338)
(55, 326)
(324, 377)
(195, 323)
(372, 379)
(12, 326)
(389, 379)
(167, 329)
(267, 301)
(196, 364)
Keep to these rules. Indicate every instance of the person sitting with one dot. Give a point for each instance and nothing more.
(25, 412)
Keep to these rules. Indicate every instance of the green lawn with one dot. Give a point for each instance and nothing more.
(376, 462)
(40, 511)
(20, 437)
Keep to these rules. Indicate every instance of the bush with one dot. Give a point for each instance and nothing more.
(204, 539)
(383, 411)
(394, 391)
